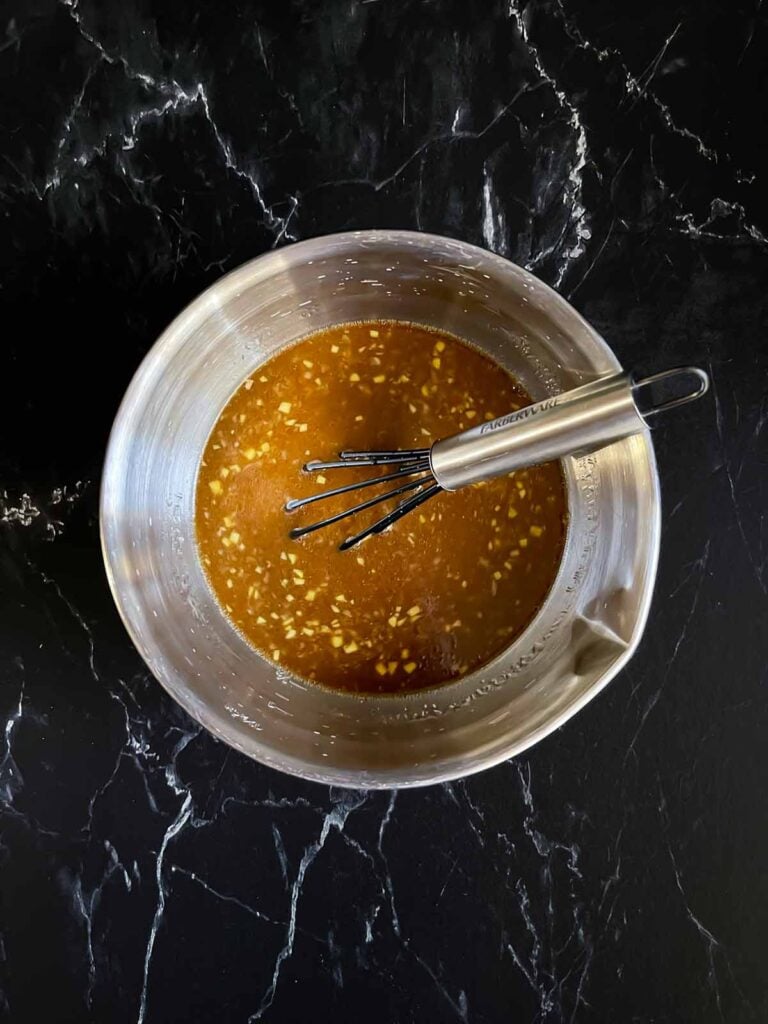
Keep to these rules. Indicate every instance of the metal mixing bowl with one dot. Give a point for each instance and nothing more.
(589, 625)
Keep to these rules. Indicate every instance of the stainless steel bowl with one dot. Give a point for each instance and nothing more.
(584, 633)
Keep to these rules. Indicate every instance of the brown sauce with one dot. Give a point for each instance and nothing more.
(439, 594)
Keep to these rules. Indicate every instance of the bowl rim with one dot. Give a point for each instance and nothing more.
(173, 337)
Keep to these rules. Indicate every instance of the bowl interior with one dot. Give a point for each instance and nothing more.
(586, 629)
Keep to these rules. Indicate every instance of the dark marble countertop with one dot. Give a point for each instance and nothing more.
(617, 871)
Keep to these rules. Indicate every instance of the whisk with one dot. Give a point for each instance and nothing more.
(575, 422)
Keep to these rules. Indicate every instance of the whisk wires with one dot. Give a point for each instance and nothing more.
(413, 463)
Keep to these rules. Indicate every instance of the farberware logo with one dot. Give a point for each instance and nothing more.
(522, 414)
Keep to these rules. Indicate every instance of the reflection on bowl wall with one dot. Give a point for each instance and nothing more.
(587, 628)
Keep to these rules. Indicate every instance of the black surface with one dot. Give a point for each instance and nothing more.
(616, 872)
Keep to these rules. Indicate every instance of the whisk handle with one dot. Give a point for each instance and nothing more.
(585, 419)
